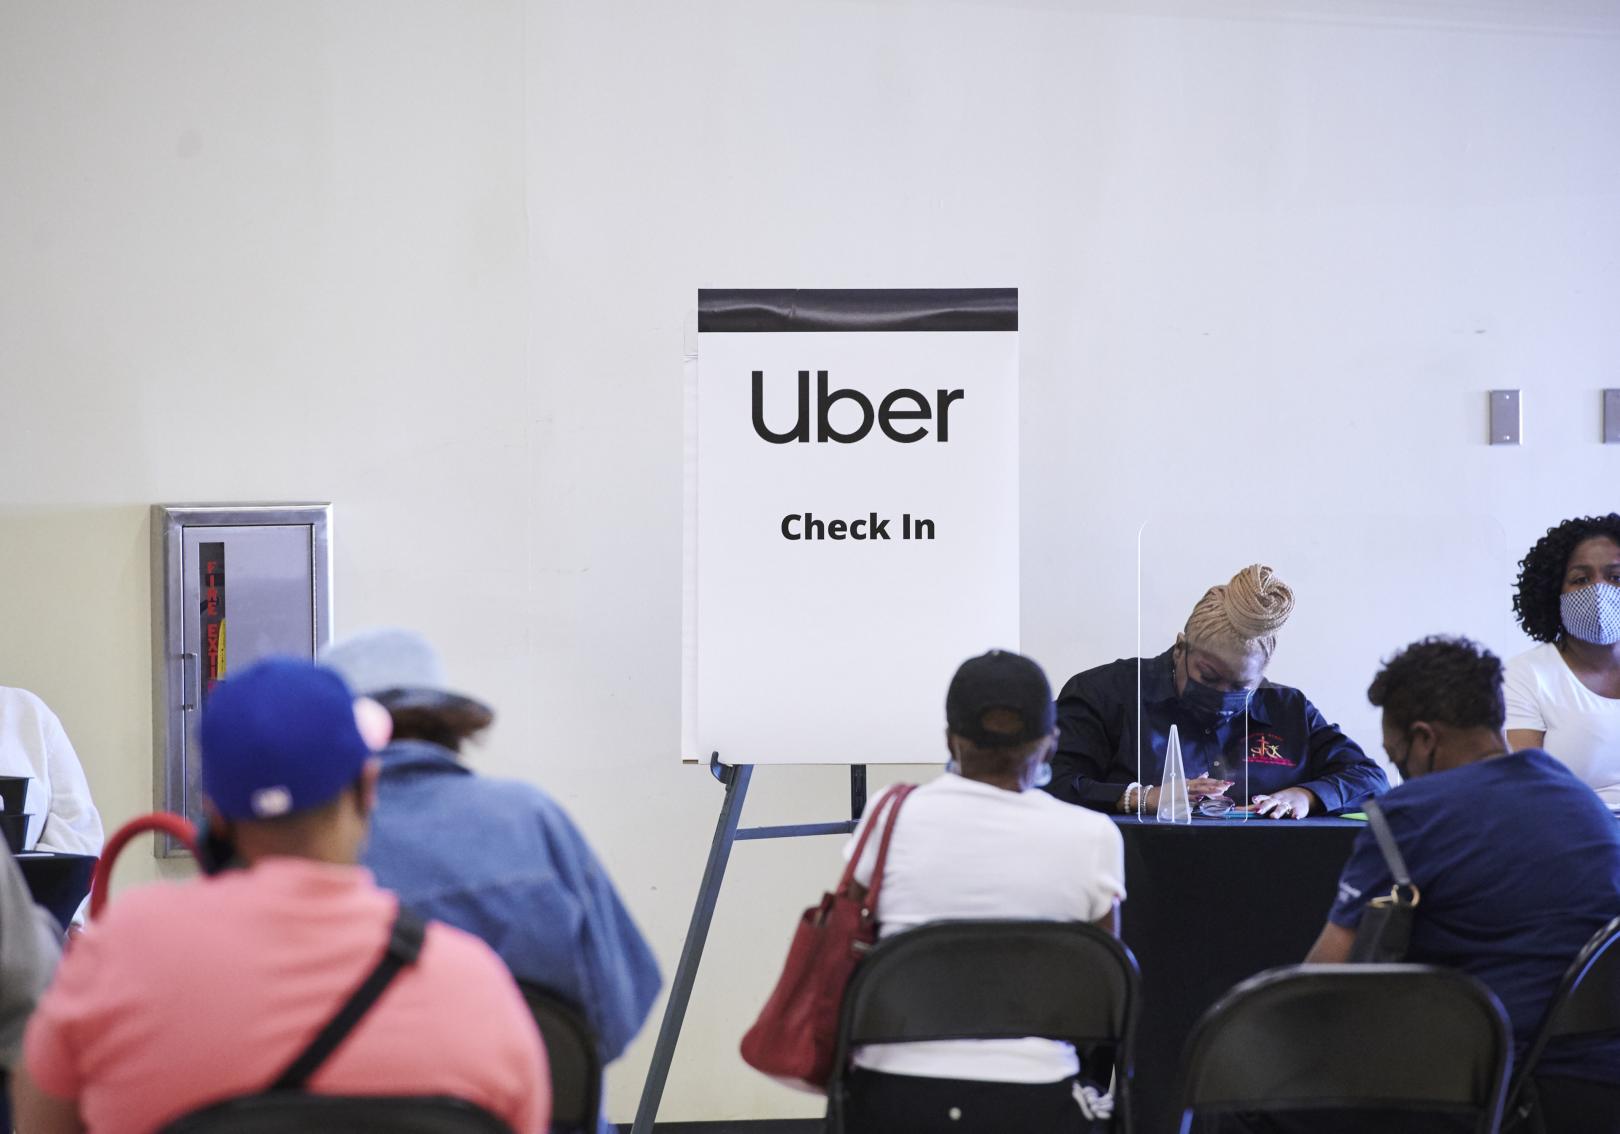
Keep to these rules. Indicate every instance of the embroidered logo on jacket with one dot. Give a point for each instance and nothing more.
(1266, 748)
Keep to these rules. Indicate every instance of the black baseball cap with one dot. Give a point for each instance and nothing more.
(1005, 681)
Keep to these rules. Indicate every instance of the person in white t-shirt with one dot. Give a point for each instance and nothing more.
(975, 844)
(1564, 695)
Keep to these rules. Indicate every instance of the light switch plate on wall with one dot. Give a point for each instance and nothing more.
(1505, 417)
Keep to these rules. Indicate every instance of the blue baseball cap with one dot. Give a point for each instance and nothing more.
(278, 738)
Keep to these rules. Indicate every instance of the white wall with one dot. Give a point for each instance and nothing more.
(431, 261)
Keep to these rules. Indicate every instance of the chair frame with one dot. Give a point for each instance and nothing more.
(1207, 1032)
(1568, 988)
(304, 1108)
(572, 1015)
(920, 938)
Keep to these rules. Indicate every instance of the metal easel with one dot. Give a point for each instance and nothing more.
(726, 832)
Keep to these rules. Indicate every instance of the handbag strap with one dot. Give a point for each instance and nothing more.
(899, 796)
(882, 812)
(404, 946)
(1386, 843)
(848, 877)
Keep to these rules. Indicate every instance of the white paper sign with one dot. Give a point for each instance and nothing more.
(852, 526)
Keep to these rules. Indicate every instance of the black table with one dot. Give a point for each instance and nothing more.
(1207, 905)
(58, 882)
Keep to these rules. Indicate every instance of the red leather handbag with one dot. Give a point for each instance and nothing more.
(793, 1039)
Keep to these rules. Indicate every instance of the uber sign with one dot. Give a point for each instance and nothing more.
(892, 408)
(852, 517)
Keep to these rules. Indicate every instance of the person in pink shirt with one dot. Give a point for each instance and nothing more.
(184, 995)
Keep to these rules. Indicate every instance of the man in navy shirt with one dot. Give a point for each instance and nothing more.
(1517, 860)
(1265, 744)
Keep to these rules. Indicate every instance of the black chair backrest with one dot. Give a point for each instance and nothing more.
(575, 1059)
(994, 980)
(1587, 1000)
(1351, 1036)
(296, 1112)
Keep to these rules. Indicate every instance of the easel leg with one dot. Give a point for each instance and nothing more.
(736, 779)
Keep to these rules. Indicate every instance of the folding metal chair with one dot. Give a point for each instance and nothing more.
(1587, 1001)
(297, 1112)
(1410, 1039)
(993, 980)
(575, 1059)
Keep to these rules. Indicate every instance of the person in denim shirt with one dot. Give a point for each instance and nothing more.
(497, 858)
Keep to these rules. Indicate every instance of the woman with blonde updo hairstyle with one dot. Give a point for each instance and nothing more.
(1237, 730)
(1243, 616)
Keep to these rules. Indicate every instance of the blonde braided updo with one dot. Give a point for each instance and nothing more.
(1243, 615)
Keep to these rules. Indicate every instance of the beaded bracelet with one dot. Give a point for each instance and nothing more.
(1128, 802)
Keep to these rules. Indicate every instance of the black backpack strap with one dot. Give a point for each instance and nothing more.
(404, 946)
(1387, 846)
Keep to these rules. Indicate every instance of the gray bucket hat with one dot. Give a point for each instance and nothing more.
(398, 668)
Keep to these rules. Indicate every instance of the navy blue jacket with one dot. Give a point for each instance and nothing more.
(1284, 742)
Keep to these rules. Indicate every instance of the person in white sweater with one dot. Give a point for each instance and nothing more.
(34, 744)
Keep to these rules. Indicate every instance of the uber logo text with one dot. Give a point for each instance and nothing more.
(897, 406)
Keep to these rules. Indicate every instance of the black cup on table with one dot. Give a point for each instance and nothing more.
(13, 820)
(15, 830)
(14, 794)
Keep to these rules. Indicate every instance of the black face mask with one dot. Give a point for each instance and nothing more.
(1211, 707)
(215, 850)
(1403, 763)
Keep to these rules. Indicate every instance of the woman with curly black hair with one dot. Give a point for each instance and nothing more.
(1564, 695)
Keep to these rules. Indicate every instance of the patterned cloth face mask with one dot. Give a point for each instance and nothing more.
(1592, 613)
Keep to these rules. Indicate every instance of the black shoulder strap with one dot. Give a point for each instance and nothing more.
(404, 946)
(1386, 843)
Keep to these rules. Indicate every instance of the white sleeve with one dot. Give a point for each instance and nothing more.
(1521, 692)
(1111, 869)
(1106, 883)
(73, 826)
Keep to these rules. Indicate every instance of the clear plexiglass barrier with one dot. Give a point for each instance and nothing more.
(1243, 736)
